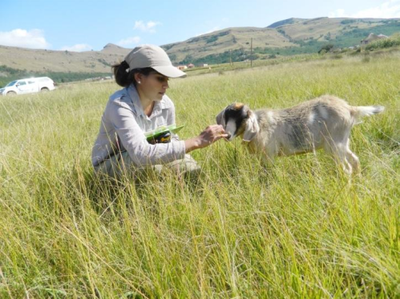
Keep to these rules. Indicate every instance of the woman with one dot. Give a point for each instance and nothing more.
(142, 106)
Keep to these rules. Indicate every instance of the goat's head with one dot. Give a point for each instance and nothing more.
(237, 119)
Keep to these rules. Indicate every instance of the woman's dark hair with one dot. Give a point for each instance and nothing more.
(124, 78)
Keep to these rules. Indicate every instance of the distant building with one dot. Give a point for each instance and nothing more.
(373, 37)
(182, 67)
(190, 65)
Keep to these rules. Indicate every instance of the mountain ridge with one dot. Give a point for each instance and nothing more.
(286, 37)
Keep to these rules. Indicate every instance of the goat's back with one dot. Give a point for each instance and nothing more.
(306, 126)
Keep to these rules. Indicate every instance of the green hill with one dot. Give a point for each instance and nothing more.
(287, 37)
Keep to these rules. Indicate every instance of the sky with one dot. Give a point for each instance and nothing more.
(85, 25)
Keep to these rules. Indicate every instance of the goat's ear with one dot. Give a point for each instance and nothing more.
(252, 127)
(220, 118)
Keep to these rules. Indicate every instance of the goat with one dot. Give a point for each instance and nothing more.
(324, 122)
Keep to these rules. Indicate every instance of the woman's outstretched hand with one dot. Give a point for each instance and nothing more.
(211, 134)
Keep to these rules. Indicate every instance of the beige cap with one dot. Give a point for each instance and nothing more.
(155, 57)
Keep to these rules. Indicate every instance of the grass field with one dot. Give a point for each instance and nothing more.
(296, 230)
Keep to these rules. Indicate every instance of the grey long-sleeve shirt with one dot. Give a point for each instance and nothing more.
(124, 118)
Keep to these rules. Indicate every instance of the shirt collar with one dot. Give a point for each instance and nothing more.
(158, 105)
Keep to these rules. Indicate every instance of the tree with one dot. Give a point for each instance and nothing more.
(326, 48)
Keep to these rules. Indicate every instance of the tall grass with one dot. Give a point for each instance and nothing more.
(298, 229)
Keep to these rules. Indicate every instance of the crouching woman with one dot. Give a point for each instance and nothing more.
(142, 106)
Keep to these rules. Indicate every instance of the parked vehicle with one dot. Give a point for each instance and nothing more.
(28, 85)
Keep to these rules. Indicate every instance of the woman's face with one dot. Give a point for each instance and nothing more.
(153, 86)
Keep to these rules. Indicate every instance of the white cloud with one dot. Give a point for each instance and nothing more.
(33, 39)
(77, 48)
(134, 40)
(339, 13)
(388, 9)
(146, 27)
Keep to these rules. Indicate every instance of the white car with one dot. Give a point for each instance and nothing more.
(28, 85)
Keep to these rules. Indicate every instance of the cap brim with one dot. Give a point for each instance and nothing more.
(169, 71)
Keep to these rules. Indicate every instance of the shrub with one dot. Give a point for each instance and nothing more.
(326, 48)
(384, 43)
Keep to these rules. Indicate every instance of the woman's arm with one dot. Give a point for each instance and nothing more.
(142, 153)
(208, 136)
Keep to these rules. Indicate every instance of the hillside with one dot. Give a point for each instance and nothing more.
(223, 41)
(287, 37)
(62, 66)
(61, 61)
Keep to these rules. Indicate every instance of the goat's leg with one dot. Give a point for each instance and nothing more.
(267, 160)
(338, 150)
(267, 156)
(352, 158)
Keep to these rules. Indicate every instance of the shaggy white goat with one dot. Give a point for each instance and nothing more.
(324, 122)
